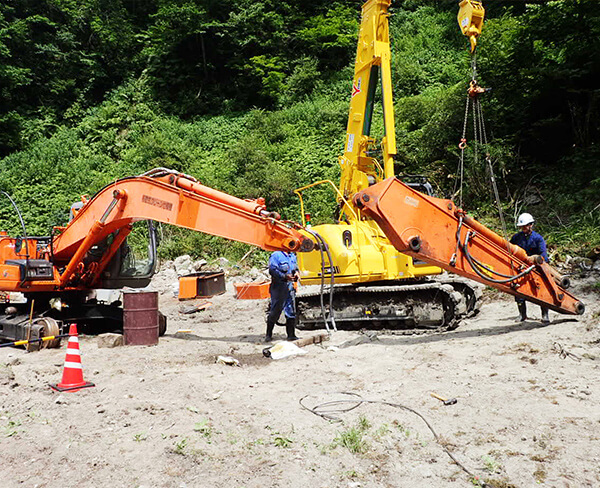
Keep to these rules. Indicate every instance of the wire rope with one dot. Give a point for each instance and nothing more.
(479, 139)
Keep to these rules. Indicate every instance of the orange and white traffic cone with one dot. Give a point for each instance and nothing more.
(72, 379)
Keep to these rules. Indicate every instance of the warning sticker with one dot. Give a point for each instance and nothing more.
(350, 145)
(157, 202)
(356, 87)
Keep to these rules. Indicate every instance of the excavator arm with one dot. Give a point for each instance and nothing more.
(160, 195)
(436, 231)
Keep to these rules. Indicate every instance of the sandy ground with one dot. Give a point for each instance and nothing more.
(527, 414)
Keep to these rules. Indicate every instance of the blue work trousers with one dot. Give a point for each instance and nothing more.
(283, 297)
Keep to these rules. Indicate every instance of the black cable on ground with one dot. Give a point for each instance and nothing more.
(318, 239)
(332, 409)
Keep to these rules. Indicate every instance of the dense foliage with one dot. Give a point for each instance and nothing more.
(251, 97)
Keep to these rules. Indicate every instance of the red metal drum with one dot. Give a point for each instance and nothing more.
(140, 318)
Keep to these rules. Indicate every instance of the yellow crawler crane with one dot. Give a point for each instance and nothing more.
(375, 285)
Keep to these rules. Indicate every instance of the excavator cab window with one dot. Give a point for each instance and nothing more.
(138, 252)
(370, 104)
(135, 262)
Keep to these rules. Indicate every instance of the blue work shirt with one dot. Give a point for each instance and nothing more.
(282, 291)
(282, 263)
(533, 244)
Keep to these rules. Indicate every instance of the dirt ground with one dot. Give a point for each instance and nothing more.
(527, 414)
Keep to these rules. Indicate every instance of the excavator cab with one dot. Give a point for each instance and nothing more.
(135, 261)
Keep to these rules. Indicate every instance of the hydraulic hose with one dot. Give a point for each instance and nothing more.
(476, 265)
(323, 246)
(24, 236)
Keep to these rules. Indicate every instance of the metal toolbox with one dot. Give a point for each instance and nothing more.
(202, 285)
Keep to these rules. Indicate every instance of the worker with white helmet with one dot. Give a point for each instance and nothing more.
(533, 244)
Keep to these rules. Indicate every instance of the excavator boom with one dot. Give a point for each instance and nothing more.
(436, 231)
(160, 195)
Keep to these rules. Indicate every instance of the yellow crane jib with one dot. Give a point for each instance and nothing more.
(470, 19)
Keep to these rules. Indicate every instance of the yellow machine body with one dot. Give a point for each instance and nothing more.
(359, 249)
(361, 253)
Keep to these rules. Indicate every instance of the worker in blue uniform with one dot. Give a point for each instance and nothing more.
(283, 268)
(533, 244)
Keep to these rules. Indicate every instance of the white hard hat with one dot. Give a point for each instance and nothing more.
(525, 219)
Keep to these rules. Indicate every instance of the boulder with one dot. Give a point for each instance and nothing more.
(110, 340)
(197, 265)
(183, 265)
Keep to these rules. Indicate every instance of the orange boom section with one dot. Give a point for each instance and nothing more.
(436, 231)
(160, 195)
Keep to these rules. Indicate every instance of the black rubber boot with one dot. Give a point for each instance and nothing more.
(522, 311)
(545, 318)
(270, 327)
(290, 325)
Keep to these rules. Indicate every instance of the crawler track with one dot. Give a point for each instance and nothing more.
(403, 308)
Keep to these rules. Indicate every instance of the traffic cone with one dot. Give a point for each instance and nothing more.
(72, 379)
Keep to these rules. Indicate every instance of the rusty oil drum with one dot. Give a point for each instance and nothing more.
(140, 318)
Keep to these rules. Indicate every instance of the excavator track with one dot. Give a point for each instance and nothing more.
(431, 306)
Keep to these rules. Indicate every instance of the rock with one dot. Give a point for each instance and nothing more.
(165, 278)
(197, 265)
(532, 199)
(594, 253)
(110, 340)
(223, 261)
(216, 395)
(230, 361)
(183, 265)
(581, 263)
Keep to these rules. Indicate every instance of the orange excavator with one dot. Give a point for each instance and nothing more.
(56, 273)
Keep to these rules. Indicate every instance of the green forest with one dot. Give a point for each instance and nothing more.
(251, 97)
